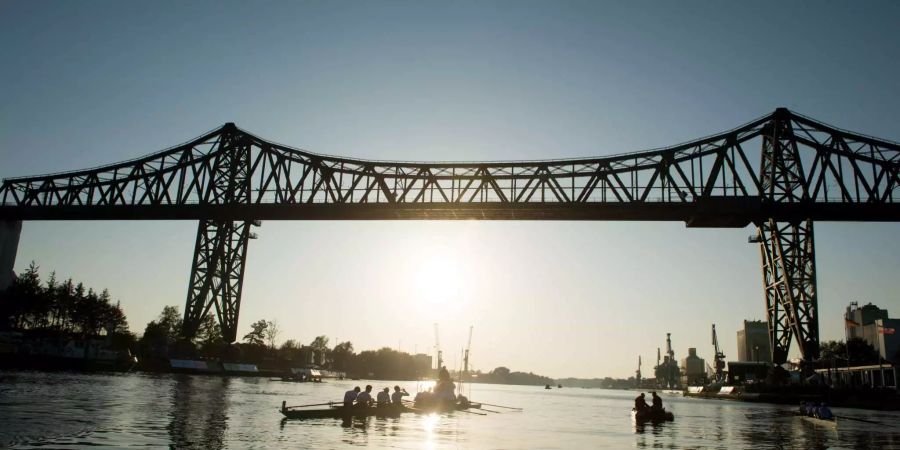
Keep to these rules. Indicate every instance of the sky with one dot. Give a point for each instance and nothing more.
(89, 83)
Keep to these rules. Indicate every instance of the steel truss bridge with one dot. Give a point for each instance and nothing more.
(781, 172)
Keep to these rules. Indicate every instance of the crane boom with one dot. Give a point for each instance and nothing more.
(468, 347)
(437, 347)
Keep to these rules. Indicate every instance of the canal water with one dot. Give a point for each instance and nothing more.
(69, 410)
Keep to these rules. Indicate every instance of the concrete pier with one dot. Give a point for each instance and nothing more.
(9, 244)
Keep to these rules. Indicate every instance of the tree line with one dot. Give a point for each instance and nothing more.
(503, 375)
(59, 306)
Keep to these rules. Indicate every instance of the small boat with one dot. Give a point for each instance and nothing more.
(830, 423)
(648, 415)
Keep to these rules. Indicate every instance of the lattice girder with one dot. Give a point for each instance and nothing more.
(833, 175)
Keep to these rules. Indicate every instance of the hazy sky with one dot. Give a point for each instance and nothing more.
(89, 83)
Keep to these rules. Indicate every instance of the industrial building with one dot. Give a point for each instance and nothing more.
(693, 369)
(753, 342)
(871, 323)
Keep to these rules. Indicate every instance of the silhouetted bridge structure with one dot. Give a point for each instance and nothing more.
(780, 172)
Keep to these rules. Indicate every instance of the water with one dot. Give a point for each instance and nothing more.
(68, 410)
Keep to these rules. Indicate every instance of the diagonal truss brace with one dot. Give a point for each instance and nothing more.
(789, 283)
(217, 276)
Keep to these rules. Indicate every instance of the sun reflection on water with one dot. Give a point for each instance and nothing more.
(429, 423)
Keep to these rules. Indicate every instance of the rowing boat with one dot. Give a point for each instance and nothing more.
(340, 412)
(830, 423)
(648, 415)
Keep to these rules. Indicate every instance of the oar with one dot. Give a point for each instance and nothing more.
(304, 406)
(470, 412)
(490, 411)
(860, 420)
(501, 406)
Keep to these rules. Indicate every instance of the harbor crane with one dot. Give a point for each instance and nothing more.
(667, 372)
(437, 348)
(637, 375)
(465, 371)
(719, 357)
(466, 354)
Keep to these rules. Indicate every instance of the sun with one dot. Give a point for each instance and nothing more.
(437, 282)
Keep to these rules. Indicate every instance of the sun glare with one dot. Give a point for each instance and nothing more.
(437, 282)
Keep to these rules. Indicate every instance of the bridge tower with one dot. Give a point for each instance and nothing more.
(9, 245)
(220, 253)
(787, 248)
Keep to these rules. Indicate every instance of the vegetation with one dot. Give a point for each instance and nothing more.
(63, 308)
(857, 350)
(502, 375)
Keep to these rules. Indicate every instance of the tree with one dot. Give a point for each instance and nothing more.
(116, 322)
(28, 292)
(209, 333)
(290, 344)
(161, 333)
(170, 319)
(321, 353)
(257, 334)
(859, 352)
(320, 343)
(289, 350)
(341, 356)
(832, 350)
(272, 333)
(501, 372)
(65, 305)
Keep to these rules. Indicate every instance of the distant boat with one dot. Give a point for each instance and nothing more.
(547, 387)
(559, 386)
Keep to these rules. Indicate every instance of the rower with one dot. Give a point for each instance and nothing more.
(397, 396)
(640, 404)
(444, 374)
(424, 398)
(365, 398)
(350, 396)
(657, 402)
(823, 412)
(384, 397)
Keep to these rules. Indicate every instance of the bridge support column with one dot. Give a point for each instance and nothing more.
(9, 246)
(217, 275)
(789, 282)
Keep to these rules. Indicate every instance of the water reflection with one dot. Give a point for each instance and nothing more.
(199, 414)
(387, 426)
